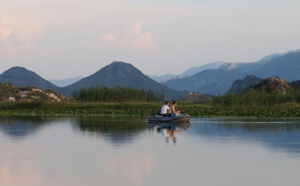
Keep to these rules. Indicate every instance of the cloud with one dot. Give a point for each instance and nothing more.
(5, 30)
(131, 39)
(18, 35)
(109, 37)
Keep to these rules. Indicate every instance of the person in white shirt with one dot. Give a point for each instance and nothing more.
(165, 110)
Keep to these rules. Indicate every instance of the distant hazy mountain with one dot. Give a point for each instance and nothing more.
(124, 75)
(219, 80)
(245, 67)
(240, 86)
(285, 65)
(22, 77)
(65, 82)
(207, 82)
(192, 71)
(269, 57)
(163, 78)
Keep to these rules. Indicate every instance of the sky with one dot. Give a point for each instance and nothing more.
(60, 39)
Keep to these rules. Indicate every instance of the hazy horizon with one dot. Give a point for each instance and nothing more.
(61, 39)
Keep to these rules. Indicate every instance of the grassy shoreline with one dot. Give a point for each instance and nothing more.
(142, 109)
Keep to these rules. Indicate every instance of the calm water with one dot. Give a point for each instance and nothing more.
(39, 151)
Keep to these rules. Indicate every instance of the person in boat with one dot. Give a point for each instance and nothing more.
(173, 110)
(165, 109)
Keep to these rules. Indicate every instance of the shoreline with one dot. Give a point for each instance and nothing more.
(142, 109)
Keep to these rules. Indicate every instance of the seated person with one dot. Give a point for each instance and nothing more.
(173, 110)
(165, 110)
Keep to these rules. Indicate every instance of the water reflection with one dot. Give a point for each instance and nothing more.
(19, 127)
(116, 130)
(81, 151)
(169, 130)
(279, 135)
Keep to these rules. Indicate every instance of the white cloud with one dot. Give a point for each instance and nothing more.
(5, 30)
(132, 39)
(109, 37)
(18, 35)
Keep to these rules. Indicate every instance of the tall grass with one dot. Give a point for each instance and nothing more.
(116, 94)
(143, 109)
(145, 103)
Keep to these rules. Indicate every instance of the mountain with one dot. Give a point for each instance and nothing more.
(123, 75)
(285, 65)
(163, 78)
(207, 82)
(190, 72)
(194, 70)
(240, 86)
(20, 76)
(215, 81)
(65, 82)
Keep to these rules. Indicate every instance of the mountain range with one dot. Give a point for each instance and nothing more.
(214, 78)
(207, 82)
(218, 81)
(116, 74)
(190, 72)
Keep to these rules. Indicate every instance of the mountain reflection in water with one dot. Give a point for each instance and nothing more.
(277, 135)
(20, 127)
(131, 152)
(118, 131)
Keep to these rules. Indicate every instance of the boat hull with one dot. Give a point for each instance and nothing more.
(162, 119)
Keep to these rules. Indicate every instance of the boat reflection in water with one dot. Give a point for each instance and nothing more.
(181, 118)
(169, 130)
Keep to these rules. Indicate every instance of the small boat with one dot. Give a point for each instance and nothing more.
(179, 118)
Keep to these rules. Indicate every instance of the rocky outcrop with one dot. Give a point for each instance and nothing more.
(11, 93)
(273, 85)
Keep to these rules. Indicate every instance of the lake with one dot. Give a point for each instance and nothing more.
(41, 151)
